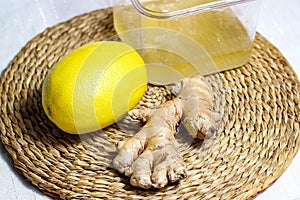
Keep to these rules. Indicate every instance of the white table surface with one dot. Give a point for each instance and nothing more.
(21, 20)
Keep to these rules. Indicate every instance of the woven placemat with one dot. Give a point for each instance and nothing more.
(257, 141)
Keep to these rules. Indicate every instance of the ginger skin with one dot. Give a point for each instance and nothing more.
(150, 157)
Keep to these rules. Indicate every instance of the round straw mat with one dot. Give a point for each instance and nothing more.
(257, 141)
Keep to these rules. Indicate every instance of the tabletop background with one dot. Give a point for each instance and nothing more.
(20, 21)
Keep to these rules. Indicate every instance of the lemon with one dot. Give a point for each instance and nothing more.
(94, 86)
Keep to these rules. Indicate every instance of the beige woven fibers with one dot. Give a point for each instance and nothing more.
(257, 139)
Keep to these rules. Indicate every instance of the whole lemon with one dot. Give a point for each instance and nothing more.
(94, 86)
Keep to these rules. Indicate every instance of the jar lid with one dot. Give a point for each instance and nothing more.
(167, 9)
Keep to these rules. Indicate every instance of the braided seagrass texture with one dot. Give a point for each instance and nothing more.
(257, 139)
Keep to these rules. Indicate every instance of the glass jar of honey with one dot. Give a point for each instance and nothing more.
(179, 38)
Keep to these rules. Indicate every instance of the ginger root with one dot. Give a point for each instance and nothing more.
(150, 157)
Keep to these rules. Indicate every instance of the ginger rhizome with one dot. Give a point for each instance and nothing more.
(150, 157)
